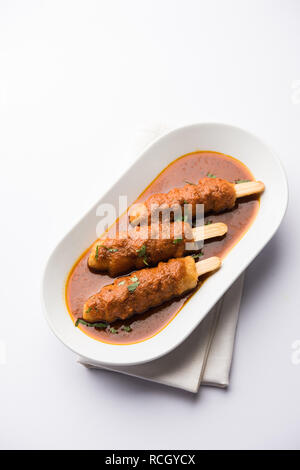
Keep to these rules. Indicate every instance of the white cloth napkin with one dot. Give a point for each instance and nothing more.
(205, 357)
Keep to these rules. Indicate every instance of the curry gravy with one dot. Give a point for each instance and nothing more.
(82, 283)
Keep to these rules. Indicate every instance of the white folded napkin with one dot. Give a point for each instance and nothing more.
(205, 357)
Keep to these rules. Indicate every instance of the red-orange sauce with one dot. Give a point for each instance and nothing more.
(82, 283)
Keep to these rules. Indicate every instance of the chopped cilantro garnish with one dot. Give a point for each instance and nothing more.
(133, 286)
(141, 251)
(113, 331)
(87, 323)
(211, 175)
(197, 255)
(142, 254)
(111, 250)
(126, 328)
(177, 240)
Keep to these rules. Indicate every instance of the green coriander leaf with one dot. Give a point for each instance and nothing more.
(133, 286)
(127, 328)
(97, 252)
(177, 240)
(111, 250)
(141, 251)
(121, 283)
(87, 323)
(134, 278)
(145, 261)
(113, 331)
(210, 175)
(197, 255)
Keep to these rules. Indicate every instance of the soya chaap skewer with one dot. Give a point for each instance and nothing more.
(147, 245)
(215, 194)
(146, 288)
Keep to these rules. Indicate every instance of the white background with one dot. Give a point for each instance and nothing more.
(78, 80)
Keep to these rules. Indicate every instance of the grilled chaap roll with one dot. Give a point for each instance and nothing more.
(147, 245)
(145, 289)
(216, 194)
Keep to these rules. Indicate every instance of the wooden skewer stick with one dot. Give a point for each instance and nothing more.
(249, 188)
(208, 265)
(204, 232)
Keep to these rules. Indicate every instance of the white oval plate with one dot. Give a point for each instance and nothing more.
(230, 140)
